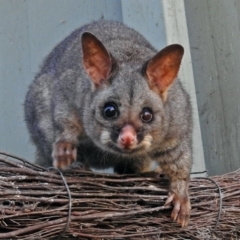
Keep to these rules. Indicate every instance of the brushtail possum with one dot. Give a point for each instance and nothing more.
(104, 96)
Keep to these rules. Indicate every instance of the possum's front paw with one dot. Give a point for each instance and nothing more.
(64, 154)
(181, 208)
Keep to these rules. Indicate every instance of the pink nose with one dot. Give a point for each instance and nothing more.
(127, 137)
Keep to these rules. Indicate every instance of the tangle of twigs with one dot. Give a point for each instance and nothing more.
(34, 204)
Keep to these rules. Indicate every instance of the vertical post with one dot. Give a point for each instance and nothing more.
(177, 32)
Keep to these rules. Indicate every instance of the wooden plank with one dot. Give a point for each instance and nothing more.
(214, 39)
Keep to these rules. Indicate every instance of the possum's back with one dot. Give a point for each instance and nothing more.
(68, 53)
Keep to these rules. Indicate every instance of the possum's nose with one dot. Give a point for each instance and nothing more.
(127, 137)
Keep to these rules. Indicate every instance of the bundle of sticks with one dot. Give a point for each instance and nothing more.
(39, 203)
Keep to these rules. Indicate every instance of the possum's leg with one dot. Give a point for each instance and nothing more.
(42, 159)
(178, 170)
(178, 195)
(38, 118)
(68, 131)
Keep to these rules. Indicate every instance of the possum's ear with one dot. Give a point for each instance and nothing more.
(96, 59)
(162, 69)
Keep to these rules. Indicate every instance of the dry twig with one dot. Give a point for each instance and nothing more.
(34, 204)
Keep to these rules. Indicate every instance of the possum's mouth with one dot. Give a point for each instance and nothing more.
(125, 151)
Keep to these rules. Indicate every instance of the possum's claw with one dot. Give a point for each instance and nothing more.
(64, 154)
(181, 208)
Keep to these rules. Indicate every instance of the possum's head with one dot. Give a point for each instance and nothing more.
(126, 115)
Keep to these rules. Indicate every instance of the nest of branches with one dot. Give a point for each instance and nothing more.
(38, 203)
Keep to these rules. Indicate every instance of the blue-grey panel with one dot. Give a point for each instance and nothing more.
(51, 21)
(14, 71)
(29, 29)
(146, 17)
(214, 34)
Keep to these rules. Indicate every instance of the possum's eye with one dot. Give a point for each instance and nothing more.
(146, 115)
(110, 110)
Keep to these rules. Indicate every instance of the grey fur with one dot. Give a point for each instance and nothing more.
(62, 86)
(62, 105)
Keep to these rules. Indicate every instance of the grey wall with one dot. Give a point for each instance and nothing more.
(28, 31)
(213, 27)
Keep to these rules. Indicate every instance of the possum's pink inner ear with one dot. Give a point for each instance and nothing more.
(96, 59)
(162, 69)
